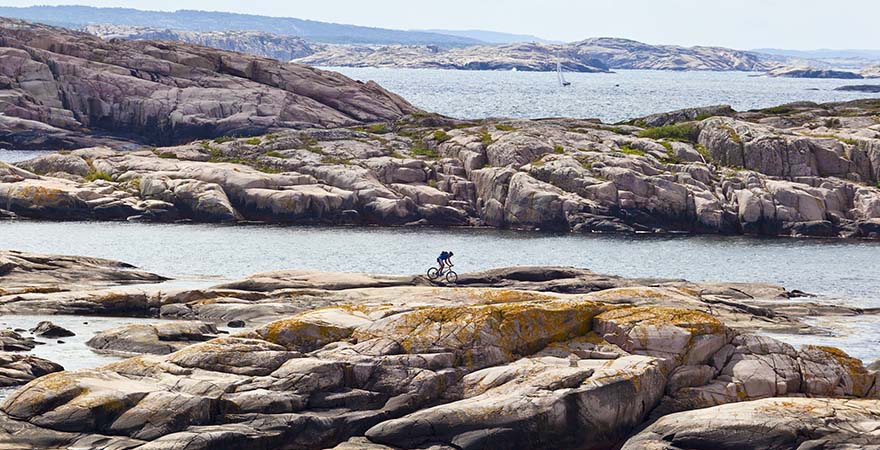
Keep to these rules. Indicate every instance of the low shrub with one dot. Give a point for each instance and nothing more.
(683, 132)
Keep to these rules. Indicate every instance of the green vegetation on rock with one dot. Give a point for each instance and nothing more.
(558, 149)
(631, 151)
(254, 141)
(440, 136)
(420, 150)
(502, 127)
(95, 175)
(683, 132)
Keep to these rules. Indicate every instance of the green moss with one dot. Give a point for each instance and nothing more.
(315, 149)
(432, 183)
(167, 155)
(702, 117)
(538, 162)
(777, 110)
(379, 128)
(420, 150)
(631, 151)
(703, 151)
(275, 154)
(94, 175)
(271, 137)
(683, 132)
(223, 139)
(502, 127)
(254, 141)
(440, 136)
(558, 149)
(64, 152)
(135, 183)
(485, 137)
(335, 160)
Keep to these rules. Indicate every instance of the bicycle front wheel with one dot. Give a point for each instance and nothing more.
(433, 273)
(451, 277)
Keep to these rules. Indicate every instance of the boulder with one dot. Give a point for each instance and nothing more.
(48, 329)
(786, 423)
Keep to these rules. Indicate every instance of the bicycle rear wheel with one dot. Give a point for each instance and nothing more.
(451, 277)
(433, 273)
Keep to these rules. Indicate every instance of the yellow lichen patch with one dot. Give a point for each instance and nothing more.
(314, 329)
(631, 292)
(696, 322)
(862, 380)
(513, 329)
(491, 296)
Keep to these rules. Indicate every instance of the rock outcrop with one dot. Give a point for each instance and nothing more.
(390, 363)
(48, 329)
(17, 369)
(869, 88)
(810, 72)
(65, 89)
(800, 169)
(157, 339)
(788, 423)
(591, 55)
(22, 273)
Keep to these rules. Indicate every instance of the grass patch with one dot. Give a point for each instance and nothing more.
(271, 137)
(95, 175)
(397, 154)
(254, 141)
(223, 139)
(379, 128)
(558, 149)
(538, 162)
(683, 132)
(777, 110)
(275, 154)
(440, 136)
(167, 155)
(704, 116)
(432, 183)
(426, 152)
(631, 151)
(486, 138)
(502, 127)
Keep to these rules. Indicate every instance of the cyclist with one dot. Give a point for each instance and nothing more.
(444, 260)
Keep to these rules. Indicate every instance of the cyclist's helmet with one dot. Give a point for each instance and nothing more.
(451, 254)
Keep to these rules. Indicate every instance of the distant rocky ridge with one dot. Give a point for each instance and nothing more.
(275, 46)
(591, 55)
(65, 89)
(75, 16)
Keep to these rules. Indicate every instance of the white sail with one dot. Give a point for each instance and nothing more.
(559, 74)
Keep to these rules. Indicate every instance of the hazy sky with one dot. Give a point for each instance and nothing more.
(744, 24)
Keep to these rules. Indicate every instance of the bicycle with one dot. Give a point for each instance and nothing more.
(435, 273)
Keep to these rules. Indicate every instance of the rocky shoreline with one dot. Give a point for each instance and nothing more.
(799, 169)
(531, 357)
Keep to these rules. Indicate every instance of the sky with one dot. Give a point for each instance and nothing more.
(742, 24)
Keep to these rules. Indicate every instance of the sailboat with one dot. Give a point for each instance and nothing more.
(559, 74)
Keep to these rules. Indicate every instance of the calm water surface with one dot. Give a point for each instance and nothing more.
(611, 97)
